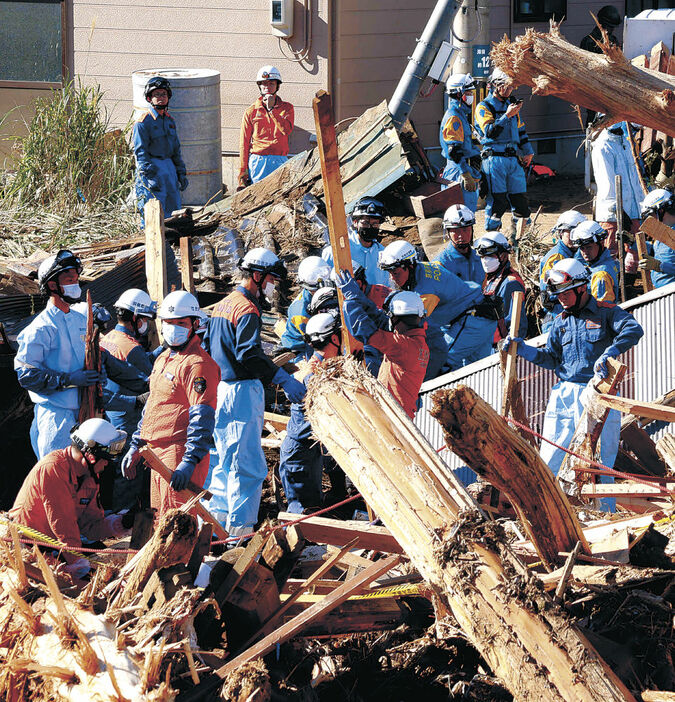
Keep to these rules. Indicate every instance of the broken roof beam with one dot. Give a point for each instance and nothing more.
(533, 647)
(605, 82)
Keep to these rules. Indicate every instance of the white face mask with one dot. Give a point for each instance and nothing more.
(468, 99)
(175, 335)
(268, 291)
(490, 263)
(142, 328)
(72, 292)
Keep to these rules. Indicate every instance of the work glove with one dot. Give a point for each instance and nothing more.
(294, 389)
(600, 369)
(79, 568)
(115, 525)
(181, 476)
(547, 302)
(348, 286)
(529, 353)
(153, 185)
(82, 378)
(142, 399)
(649, 263)
(182, 182)
(130, 463)
(469, 183)
(244, 181)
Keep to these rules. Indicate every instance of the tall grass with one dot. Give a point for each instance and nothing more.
(71, 171)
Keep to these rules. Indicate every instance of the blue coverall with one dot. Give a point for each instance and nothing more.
(503, 285)
(159, 164)
(239, 468)
(552, 256)
(502, 140)
(293, 337)
(667, 257)
(469, 337)
(604, 276)
(445, 297)
(457, 147)
(574, 344)
(366, 256)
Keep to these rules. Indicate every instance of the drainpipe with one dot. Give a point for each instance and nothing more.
(408, 87)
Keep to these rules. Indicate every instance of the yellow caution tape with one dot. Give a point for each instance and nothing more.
(390, 592)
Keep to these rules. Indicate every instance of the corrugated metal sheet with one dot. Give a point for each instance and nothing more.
(16, 311)
(651, 372)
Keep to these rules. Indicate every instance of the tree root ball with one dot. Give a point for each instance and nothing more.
(250, 682)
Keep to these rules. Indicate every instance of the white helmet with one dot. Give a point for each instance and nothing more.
(566, 274)
(99, 437)
(458, 216)
(459, 83)
(655, 201)
(138, 302)
(268, 73)
(396, 254)
(404, 303)
(498, 77)
(588, 232)
(321, 327)
(312, 272)
(178, 304)
(263, 261)
(323, 299)
(491, 244)
(568, 220)
(203, 322)
(56, 264)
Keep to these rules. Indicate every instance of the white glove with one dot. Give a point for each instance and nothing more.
(114, 523)
(79, 568)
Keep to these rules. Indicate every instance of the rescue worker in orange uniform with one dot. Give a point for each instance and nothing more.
(399, 332)
(265, 128)
(59, 497)
(178, 420)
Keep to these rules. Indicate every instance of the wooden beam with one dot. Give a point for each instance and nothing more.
(659, 231)
(310, 615)
(510, 373)
(155, 257)
(156, 464)
(335, 203)
(627, 489)
(337, 532)
(456, 550)
(641, 245)
(278, 421)
(91, 404)
(638, 408)
(186, 270)
(665, 447)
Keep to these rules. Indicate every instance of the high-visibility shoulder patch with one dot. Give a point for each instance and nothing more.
(430, 302)
(453, 130)
(484, 116)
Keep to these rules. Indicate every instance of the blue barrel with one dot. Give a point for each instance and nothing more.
(195, 105)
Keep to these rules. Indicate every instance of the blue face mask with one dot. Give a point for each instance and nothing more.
(175, 335)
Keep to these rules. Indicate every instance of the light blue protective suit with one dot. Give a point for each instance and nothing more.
(457, 147)
(50, 347)
(366, 256)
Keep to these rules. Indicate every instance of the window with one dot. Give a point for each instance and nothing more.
(32, 41)
(635, 7)
(539, 10)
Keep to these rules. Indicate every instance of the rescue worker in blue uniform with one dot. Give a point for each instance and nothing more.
(364, 239)
(501, 281)
(445, 296)
(50, 359)
(469, 337)
(233, 340)
(160, 169)
(313, 272)
(461, 156)
(588, 237)
(660, 203)
(301, 455)
(582, 338)
(503, 139)
(562, 231)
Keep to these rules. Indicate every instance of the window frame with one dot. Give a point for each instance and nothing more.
(542, 17)
(43, 84)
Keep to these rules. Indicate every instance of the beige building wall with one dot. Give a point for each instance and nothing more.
(17, 107)
(113, 38)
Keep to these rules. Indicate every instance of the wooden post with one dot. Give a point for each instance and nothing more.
(619, 236)
(186, 272)
(456, 550)
(91, 404)
(641, 244)
(335, 203)
(510, 376)
(155, 259)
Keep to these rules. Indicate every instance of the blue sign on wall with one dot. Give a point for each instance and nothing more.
(480, 64)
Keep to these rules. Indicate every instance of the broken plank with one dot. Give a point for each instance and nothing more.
(627, 489)
(641, 246)
(244, 562)
(310, 615)
(186, 270)
(278, 421)
(337, 533)
(659, 231)
(665, 447)
(155, 260)
(638, 408)
(658, 696)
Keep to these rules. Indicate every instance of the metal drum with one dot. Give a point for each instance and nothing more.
(195, 105)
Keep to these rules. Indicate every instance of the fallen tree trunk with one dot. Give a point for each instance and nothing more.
(528, 642)
(605, 82)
